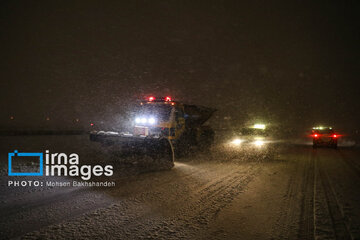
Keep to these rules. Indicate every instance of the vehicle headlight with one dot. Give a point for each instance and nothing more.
(259, 143)
(145, 120)
(237, 141)
(152, 120)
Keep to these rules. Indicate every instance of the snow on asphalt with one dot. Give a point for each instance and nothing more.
(278, 191)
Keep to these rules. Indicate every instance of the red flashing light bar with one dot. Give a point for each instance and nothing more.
(162, 99)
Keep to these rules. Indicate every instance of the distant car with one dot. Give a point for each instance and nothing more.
(324, 136)
(256, 135)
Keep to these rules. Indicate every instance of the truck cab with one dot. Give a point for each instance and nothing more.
(181, 123)
(160, 117)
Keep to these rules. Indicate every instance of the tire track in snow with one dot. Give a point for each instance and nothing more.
(176, 226)
(287, 226)
(306, 229)
(339, 225)
(195, 214)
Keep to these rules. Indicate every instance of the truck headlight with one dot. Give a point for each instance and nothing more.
(145, 120)
(152, 120)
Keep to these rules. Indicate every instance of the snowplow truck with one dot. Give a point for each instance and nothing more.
(162, 130)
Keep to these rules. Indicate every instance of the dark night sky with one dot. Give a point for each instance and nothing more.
(290, 62)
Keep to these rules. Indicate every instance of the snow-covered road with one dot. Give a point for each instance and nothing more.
(281, 191)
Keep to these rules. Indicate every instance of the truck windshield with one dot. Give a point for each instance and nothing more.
(160, 111)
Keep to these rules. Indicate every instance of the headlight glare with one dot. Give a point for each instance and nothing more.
(152, 120)
(259, 143)
(236, 141)
(145, 120)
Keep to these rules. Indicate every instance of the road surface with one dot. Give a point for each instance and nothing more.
(278, 191)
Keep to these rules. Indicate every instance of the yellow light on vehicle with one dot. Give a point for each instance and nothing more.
(259, 126)
(321, 128)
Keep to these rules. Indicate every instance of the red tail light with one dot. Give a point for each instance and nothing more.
(168, 99)
(334, 136)
(151, 99)
(316, 135)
